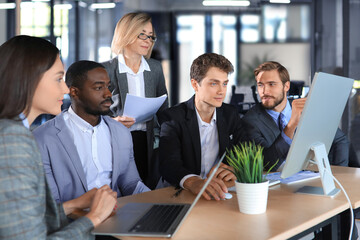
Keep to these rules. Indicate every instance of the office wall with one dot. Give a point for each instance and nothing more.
(294, 56)
(354, 61)
(330, 36)
(2, 26)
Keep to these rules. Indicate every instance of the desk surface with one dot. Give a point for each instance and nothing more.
(287, 213)
(349, 179)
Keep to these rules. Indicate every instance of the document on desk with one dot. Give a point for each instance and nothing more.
(142, 109)
(296, 178)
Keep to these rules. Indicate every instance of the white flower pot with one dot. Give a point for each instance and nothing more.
(252, 197)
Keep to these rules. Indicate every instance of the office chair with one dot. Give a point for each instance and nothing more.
(254, 94)
(296, 88)
(237, 99)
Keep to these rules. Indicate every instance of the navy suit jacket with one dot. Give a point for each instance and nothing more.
(263, 130)
(180, 148)
(62, 163)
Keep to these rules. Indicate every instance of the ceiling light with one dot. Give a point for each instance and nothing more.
(279, 1)
(7, 5)
(64, 6)
(237, 3)
(82, 4)
(102, 5)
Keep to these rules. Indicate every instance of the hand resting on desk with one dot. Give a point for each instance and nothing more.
(224, 173)
(80, 203)
(101, 202)
(216, 188)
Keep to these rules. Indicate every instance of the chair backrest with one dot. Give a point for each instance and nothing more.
(296, 88)
(238, 100)
(254, 94)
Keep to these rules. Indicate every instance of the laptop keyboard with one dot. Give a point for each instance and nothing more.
(158, 219)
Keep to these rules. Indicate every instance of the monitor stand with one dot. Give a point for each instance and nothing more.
(328, 186)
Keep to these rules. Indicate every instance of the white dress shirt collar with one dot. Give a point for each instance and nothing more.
(81, 123)
(202, 123)
(123, 68)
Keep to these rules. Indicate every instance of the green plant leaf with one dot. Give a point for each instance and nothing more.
(247, 161)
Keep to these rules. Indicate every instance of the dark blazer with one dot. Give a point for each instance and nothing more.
(154, 87)
(27, 208)
(263, 130)
(180, 148)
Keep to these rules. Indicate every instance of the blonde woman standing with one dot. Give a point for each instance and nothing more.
(133, 71)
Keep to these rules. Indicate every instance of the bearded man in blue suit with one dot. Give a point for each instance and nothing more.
(273, 122)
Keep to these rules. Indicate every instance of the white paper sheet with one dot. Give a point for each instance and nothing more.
(142, 109)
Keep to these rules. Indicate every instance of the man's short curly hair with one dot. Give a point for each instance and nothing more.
(204, 62)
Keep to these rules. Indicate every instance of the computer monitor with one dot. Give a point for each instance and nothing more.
(316, 130)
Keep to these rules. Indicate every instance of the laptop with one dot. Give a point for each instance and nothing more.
(150, 219)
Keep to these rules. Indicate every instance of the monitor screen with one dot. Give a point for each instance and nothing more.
(319, 120)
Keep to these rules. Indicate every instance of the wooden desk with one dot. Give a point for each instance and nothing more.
(287, 215)
(349, 178)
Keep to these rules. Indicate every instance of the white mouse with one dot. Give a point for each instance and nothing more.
(228, 195)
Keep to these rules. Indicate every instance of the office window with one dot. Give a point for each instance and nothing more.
(224, 43)
(191, 39)
(275, 23)
(284, 23)
(250, 28)
(61, 28)
(35, 21)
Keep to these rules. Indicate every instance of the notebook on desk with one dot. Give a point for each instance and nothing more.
(150, 219)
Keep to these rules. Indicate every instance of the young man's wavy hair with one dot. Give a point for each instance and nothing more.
(204, 62)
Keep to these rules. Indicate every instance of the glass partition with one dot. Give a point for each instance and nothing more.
(224, 43)
(190, 37)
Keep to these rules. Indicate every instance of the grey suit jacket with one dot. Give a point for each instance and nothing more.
(263, 130)
(63, 167)
(27, 208)
(154, 87)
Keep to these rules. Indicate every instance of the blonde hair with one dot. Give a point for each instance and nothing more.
(127, 30)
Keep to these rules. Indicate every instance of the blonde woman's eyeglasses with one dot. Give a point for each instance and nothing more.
(143, 36)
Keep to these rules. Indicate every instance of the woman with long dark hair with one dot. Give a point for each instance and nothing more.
(31, 83)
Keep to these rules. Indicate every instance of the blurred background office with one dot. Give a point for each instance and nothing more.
(304, 35)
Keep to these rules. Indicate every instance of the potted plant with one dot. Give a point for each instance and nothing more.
(252, 187)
